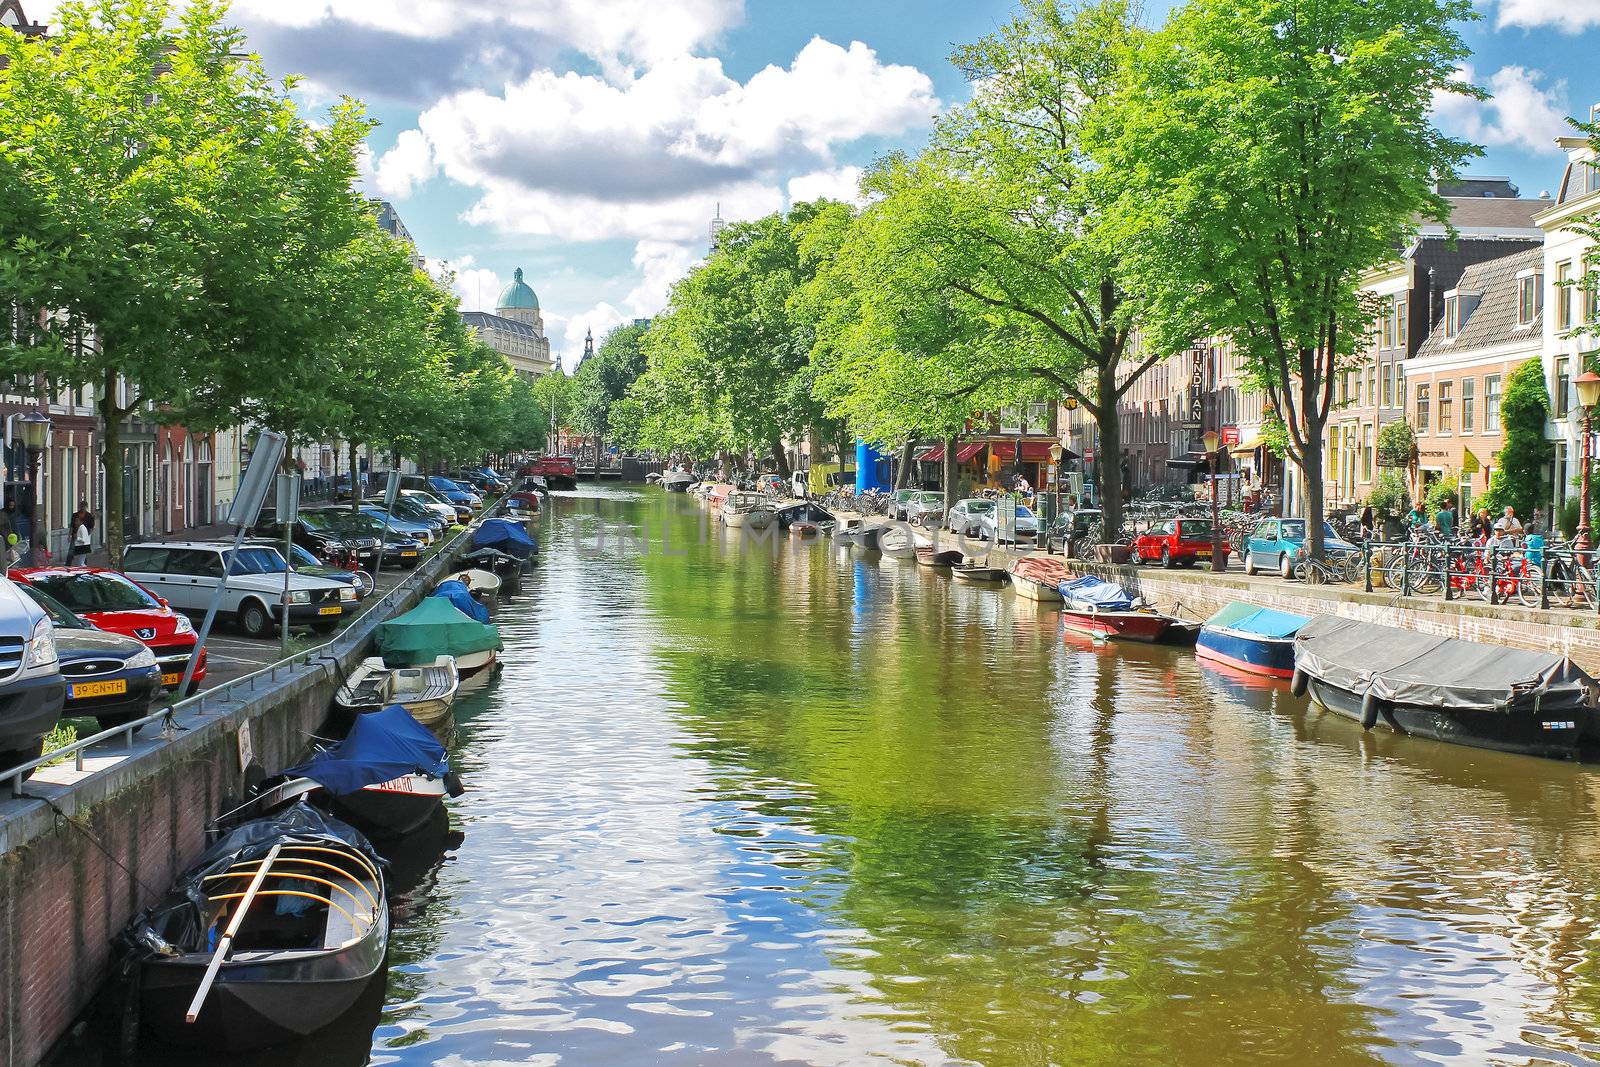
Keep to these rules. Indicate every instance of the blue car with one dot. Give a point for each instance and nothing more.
(447, 489)
(1274, 544)
(423, 534)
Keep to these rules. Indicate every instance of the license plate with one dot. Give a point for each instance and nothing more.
(172, 679)
(80, 690)
(332, 610)
(408, 552)
(1203, 553)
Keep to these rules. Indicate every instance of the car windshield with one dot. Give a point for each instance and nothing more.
(59, 615)
(301, 558)
(980, 507)
(1294, 529)
(315, 520)
(364, 523)
(257, 561)
(1023, 512)
(96, 592)
(1197, 529)
(930, 498)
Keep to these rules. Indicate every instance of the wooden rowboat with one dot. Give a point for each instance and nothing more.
(974, 572)
(933, 556)
(1038, 578)
(426, 692)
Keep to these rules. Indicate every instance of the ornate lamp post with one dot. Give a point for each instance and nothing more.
(1055, 469)
(35, 430)
(1210, 442)
(1588, 387)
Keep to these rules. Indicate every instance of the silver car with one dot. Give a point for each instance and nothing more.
(925, 508)
(981, 519)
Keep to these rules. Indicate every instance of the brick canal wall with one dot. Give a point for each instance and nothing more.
(80, 861)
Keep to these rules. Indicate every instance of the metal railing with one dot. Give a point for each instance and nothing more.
(12, 778)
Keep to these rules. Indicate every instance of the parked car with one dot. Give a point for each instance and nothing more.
(187, 573)
(32, 691)
(1177, 541)
(924, 507)
(314, 531)
(898, 501)
(120, 605)
(980, 518)
(412, 515)
(362, 536)
(403, 541)
(453, 492)
(1069, 530)
(1274, 543)
(449, 512)
(769, 483)
(110, 678)
(304, 562)
(963, 517)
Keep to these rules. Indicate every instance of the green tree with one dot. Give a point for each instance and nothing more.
(1274, 151)
(601, 381)
(1519, 479)
(551, 394)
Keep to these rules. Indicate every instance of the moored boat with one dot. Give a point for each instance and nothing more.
(436, 628)
(271, 936)
(426, 692)
(1100, 608)
(752, 511)
(677, 481)
(1039, 578)
(977, 572)
(931, 555)
(505, 535)
(388, 777)
(1249, 638)
(1446, 688)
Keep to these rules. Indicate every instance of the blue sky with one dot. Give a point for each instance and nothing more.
(590, 141)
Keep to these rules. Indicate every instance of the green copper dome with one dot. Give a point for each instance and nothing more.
(518, 296)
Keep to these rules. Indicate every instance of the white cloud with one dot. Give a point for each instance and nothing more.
(660, 264)
(407, 164)
(566, 332)
(843, 184)
(478, 287)
(1520, 113)
(1567, 16)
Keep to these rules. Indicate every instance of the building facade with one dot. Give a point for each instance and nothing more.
(516, 329)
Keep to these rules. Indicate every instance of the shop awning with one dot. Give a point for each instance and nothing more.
(931, 455)
(1247, 447)
(1032, 451)
(969, 450)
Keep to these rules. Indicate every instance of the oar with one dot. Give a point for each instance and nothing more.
(225, 945)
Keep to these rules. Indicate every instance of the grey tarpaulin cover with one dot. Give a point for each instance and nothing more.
(1407, 667)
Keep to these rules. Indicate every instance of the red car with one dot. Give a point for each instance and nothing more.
(1177, 541)
(117, 604)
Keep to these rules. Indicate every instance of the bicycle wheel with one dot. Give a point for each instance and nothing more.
(1584, 587)
(1396, 575)
(1352, 569)
(1528, 586)
(1425, 574)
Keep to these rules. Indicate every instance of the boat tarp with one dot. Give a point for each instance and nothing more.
(1407, 667)
(381, 746)
(1042, 569)
(1262, 622)
(506, 536)
(433, 628)
(459, 595)
(1097, 593)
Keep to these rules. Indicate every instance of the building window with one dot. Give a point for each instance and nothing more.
(1491, 404)
(1561, 386)
(1372, 385)
(1529, 286)
(1390, 323)
(1366, 452)
(1591, 295)
(1388, 384)
(1010, 420)
(1422, 408)
(1447, 407)
(1452, 315)
(1402, 313)
(1564, 294)
(1469, 396)
(1038, 418)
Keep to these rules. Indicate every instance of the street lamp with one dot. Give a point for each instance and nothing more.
(1055, 468)
(1588, 387)
(1210, 442)
(35, 430)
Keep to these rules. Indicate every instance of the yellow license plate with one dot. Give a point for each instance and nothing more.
(408, 552)
(80, 690)
(334, 610)
(1203, 553)
(172, 679)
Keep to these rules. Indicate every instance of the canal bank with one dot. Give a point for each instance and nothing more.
(79, 858)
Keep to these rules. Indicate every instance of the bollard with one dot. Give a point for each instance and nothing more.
(1405, 570)
(1366, 561)
(1448, 591)
(1544, 582)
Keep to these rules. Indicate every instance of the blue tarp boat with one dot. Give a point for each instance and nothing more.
(387, 777)
(459, 595)
(1096, 593)
(1104, 609)
(1250, 638)
(505, 535)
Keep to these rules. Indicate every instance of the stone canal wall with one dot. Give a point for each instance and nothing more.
(78, 861)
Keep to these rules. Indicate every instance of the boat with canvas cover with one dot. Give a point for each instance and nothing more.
(387, 778)
(1446, 688)
(457, 593)
(505, 535)
(1250, 638)
(426, 691)
(677, 481)
(437, 628)
(1039, 578)
(1100, 608)
(271, 936)
(752, 511)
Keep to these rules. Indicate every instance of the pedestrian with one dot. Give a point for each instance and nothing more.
(82, 536)
(1414, 517)
(1368, 523)
(1480, 524)
(1537, 524)
(1445, 517)
(1508, 525)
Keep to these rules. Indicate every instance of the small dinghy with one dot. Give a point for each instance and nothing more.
(977, 572)
(1039, 578)
(273, 935)
(1100, 608)
(931, 555)
(1252, 639)
(426, 692)
(484, 585)
(387, 778)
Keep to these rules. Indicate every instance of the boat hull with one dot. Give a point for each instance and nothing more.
(978, 574)
(1140, 626)
(1268, 657)
(1548, 735)
(1035, 590)
(929, 557)
(391, 809)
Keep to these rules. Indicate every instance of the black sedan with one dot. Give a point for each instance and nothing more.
(113, 678)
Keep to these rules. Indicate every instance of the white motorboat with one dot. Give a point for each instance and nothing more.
(753, 511)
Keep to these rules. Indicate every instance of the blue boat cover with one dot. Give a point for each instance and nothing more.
(1107, 596)
(507, 536)
(382, 745)
(1263, 622)
(459, 595)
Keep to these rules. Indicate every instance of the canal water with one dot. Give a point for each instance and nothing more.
(741, 801)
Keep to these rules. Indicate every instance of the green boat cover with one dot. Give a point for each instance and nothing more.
(433, 628)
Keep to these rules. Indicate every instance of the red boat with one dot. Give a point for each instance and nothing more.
(560, 472)
(1104, 609)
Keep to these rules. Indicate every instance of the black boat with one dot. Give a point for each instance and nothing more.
(492, 559)
(806, 511)
(271, 936)
(1446, 688)
(387, 778)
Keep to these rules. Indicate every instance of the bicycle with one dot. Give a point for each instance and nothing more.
(1568, 578)
(1335, 570)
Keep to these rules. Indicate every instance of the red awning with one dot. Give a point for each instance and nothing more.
(968, 451)
(1032, 451)
(931, 455)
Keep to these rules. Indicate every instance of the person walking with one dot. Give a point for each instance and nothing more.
(1368, 523)
(82, 536)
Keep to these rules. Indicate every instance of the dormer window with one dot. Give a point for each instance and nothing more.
(1529, 296)
(1452, 314)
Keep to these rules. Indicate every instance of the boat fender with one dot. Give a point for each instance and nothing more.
(1369, 710)
(452, 784)
(1299, 683)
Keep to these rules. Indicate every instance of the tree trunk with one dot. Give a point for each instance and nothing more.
(949, 474)
(355, 479)
(1109, 459)
(111, 464)
(781, 459)
(1311, 467)
(597, 444)
(903, 471)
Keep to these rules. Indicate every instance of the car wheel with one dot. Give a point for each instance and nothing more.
(1285, 567)
(1249, 568)
(1166, 557)
(12, 756)
(254, 619)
